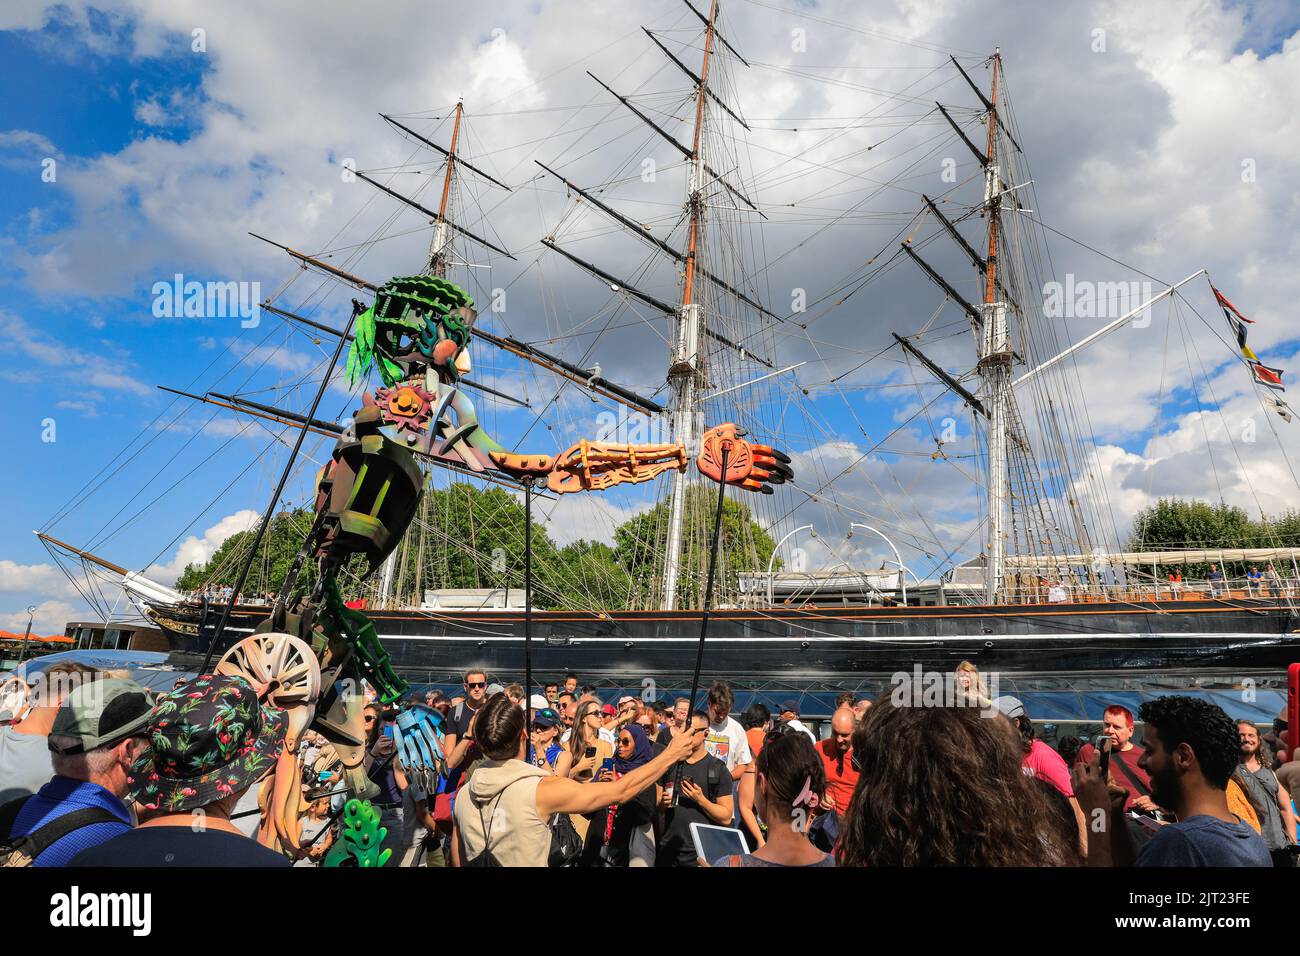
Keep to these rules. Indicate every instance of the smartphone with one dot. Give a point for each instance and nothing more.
(589, 752)
(1104, 744)
(1146, 822)
(606, 764)
(713, 842)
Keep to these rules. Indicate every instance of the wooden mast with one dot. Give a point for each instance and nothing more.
(86, 555)
(437, 264)
(697, 205)
(684, 370)
(991, 261)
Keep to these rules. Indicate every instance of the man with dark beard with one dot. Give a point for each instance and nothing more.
(1267, 795)
(1191, 751)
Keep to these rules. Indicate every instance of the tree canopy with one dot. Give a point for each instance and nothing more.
(1174, 524)
(465, 536)
(279, 547)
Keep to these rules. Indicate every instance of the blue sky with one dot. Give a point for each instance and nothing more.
(166, 158)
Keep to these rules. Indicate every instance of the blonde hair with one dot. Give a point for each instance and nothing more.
(978, 689)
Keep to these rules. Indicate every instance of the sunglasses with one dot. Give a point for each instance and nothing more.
(477, 683)
(626, 742)
(370, 720)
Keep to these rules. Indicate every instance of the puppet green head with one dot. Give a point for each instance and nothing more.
(417, 323)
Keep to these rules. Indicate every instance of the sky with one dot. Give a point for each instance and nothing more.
(146, 139)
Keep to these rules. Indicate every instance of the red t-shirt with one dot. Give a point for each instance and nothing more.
(841, 778)
(1046, 764)
(1129, 758)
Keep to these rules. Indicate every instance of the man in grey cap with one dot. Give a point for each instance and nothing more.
(97, 733)
(1042, 761)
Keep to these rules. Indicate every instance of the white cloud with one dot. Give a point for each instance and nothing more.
(196, 549)
(151, 113)
(592, 517)
(28, 142)
(42, 579)
(49, 619)
(74, 366)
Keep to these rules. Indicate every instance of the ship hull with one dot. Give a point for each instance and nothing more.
(819, 645)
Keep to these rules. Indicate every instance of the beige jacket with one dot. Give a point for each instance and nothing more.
(503, 796)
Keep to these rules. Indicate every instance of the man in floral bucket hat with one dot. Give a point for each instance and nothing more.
(209, 741)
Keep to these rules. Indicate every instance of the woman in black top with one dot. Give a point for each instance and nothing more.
(612, 833)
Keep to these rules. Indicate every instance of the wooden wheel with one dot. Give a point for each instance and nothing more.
(282, 669)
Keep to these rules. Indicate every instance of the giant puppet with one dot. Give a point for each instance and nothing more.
(313, 653)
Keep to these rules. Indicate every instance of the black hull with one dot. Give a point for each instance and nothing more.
(1227, 640)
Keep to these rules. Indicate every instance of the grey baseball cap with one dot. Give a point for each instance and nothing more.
(1011, 707)
(100, 712)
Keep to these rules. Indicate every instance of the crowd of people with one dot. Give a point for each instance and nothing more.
(97, 771)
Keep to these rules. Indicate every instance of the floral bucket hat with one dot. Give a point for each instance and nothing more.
(208, 738)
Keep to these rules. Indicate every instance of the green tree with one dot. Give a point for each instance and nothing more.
(465, 536)
(279, 547)
(1173, 524)
(589, 574)
(641, 543)
(474, 538)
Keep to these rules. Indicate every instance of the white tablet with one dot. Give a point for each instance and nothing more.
(713, 842)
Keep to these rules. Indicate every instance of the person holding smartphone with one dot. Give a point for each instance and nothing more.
(507, 804)
(705, 796)
(624, 834)
(587, 750)
(1125, 759)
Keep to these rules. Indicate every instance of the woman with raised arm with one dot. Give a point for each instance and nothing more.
(503, 811)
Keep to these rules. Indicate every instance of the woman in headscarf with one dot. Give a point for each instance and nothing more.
(623, 835)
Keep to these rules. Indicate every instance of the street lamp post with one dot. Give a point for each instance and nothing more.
(31, 612)
(902, 576)
(773, 557)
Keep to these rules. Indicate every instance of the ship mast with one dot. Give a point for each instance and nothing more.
(995, 358)
(684, 372)
(437, 261)
(690, 331)
(437, 267)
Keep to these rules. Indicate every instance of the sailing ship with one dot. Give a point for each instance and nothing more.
(1044, 585)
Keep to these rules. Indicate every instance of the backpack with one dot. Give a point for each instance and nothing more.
(566, 845)
(487, 857)
(22, 851)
